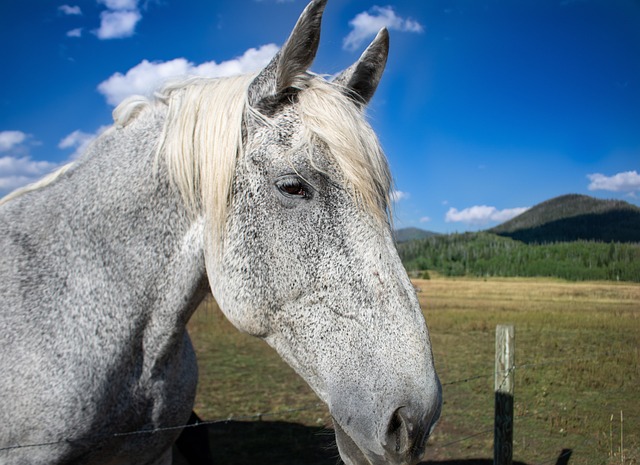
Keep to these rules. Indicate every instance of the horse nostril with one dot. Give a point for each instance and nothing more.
(398, 432)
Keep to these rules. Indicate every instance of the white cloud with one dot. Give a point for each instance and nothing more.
(80, 140)
(367, 24)
(146, 76)
(119, 20)
(118, 24)
(10, 139)
(505, 215)
(23, 166)
(18, 168)
(120, 4)
(70, 10)
(17, 171)
(396, 196)
(480, 215)
(628, 181)
(425, 219)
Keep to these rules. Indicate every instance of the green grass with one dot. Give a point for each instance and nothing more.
(241, 376)
(577, 349)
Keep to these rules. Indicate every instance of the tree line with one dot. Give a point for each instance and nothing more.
(486, 254)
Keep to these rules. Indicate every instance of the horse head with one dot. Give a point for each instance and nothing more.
(306, 258)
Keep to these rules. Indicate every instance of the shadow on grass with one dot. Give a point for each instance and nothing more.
(276, 443)
(257, 442)
(563, 459)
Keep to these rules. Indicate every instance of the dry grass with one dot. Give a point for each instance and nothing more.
(577, 346)
(577, 349)
(241, 376)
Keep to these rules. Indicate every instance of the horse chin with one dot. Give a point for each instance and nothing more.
(350, 453)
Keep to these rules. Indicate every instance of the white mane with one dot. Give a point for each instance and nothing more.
(202, 139)
(332, 117)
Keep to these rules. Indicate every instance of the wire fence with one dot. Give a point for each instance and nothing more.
(255, 416)
(315, 406)
(564, 455)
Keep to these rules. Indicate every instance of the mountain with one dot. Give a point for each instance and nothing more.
(410, 234)
(485, 254)
(574, 217)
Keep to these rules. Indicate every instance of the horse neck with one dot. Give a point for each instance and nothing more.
(151, 217)
(125, 215)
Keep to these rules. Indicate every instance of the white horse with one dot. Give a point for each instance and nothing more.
(271, 189)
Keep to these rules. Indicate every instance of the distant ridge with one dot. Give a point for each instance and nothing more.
(574, 217)
(410, 234)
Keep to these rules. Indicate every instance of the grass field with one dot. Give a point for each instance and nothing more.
(578, 371)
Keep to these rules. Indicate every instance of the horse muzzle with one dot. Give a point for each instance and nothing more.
(401, 442)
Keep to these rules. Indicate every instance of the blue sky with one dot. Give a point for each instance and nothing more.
(486, 107)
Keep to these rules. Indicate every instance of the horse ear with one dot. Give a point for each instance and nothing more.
(361, 79)
(294, 58)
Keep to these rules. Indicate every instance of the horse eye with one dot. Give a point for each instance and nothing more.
(293, 187)
(294, 190)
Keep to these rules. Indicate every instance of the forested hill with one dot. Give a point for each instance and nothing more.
(574, 237)
(575, 217)
(411, 234)
(485, 254)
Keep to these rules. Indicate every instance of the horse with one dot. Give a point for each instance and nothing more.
(271, 191)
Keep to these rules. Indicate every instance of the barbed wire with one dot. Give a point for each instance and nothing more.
(40, 444)
(161, 429)
(565, 360)
(315, 406)
(465, 438)
(529, 365)
(466, 380)
(514, 369)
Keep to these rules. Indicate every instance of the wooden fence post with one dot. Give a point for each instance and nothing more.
(504, 371)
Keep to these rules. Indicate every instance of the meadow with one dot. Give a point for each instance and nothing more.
(577, 378)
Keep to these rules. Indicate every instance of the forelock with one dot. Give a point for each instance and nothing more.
(330, 116)
(202, 140)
